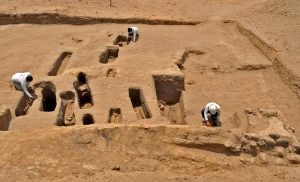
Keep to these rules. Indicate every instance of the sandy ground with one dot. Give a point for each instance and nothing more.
(241, 54)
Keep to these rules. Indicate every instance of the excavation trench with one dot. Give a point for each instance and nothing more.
(169, 96)
(120, 40)
(88, 119)
(83, 91)
(139, 104)
(109, 55)
(66, 115)
(115, 115)
(23, 106)
(48, 103)
(60, 64)
(56, 18)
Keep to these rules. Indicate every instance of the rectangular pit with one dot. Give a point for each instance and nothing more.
(60, 64)
(24, 104)
(66, 115)
(115, 115)
(48, 103)
(83, 91)
(109, 55)
(169, 96)
(138, 103)
(120, 40)
(88, 119)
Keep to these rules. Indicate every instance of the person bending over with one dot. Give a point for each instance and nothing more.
(21, 82)
(211, 114)
(133, 34)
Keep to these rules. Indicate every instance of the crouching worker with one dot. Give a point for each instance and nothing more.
(21, 82)
(211, 115)
(133, 34)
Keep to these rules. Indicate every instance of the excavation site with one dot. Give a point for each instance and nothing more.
(109, 107)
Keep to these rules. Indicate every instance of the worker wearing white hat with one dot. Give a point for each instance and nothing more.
(214, 110)
(133, 34)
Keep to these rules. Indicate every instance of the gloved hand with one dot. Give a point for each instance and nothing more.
(34, 96)
(207, 123)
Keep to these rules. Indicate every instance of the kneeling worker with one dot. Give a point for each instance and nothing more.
(133, 34)
(214, 110)
(21, 82)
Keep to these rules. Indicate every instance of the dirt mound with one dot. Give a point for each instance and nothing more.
(108, 110)
(91, 152)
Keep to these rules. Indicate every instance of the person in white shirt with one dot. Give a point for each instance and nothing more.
(21, 82)
(133, 34)
(215, 111)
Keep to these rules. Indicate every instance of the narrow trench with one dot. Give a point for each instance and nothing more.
(287, 76)
(120, 40)
(115, 115)
(60, 64)
(138, 103)
(48, 103)
(109, 55)
(88, 119)
(180, 62)
(169, 96)
(83, 91)
(66, 115)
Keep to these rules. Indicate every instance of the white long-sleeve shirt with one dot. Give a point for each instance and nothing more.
(207, 109)
(20, 78)
(134, 34)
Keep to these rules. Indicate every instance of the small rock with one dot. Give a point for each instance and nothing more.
(275, 136)
(263, 157)
(191, 82)
(236, 149)
(283, 141)
(246, 148)
(247, 160)
(253, 144)
(250, 148)
(293, 158)
(244, 141)
(252, 136)
(250, 111)
(279, 151)
(116, 168)
(268, 112)
(280, 161)
(295, 149)
(76, 40)
(109, 34)
(161, 106)
(266, 141)
(291, 129)
(252, 122)
(227, 21)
